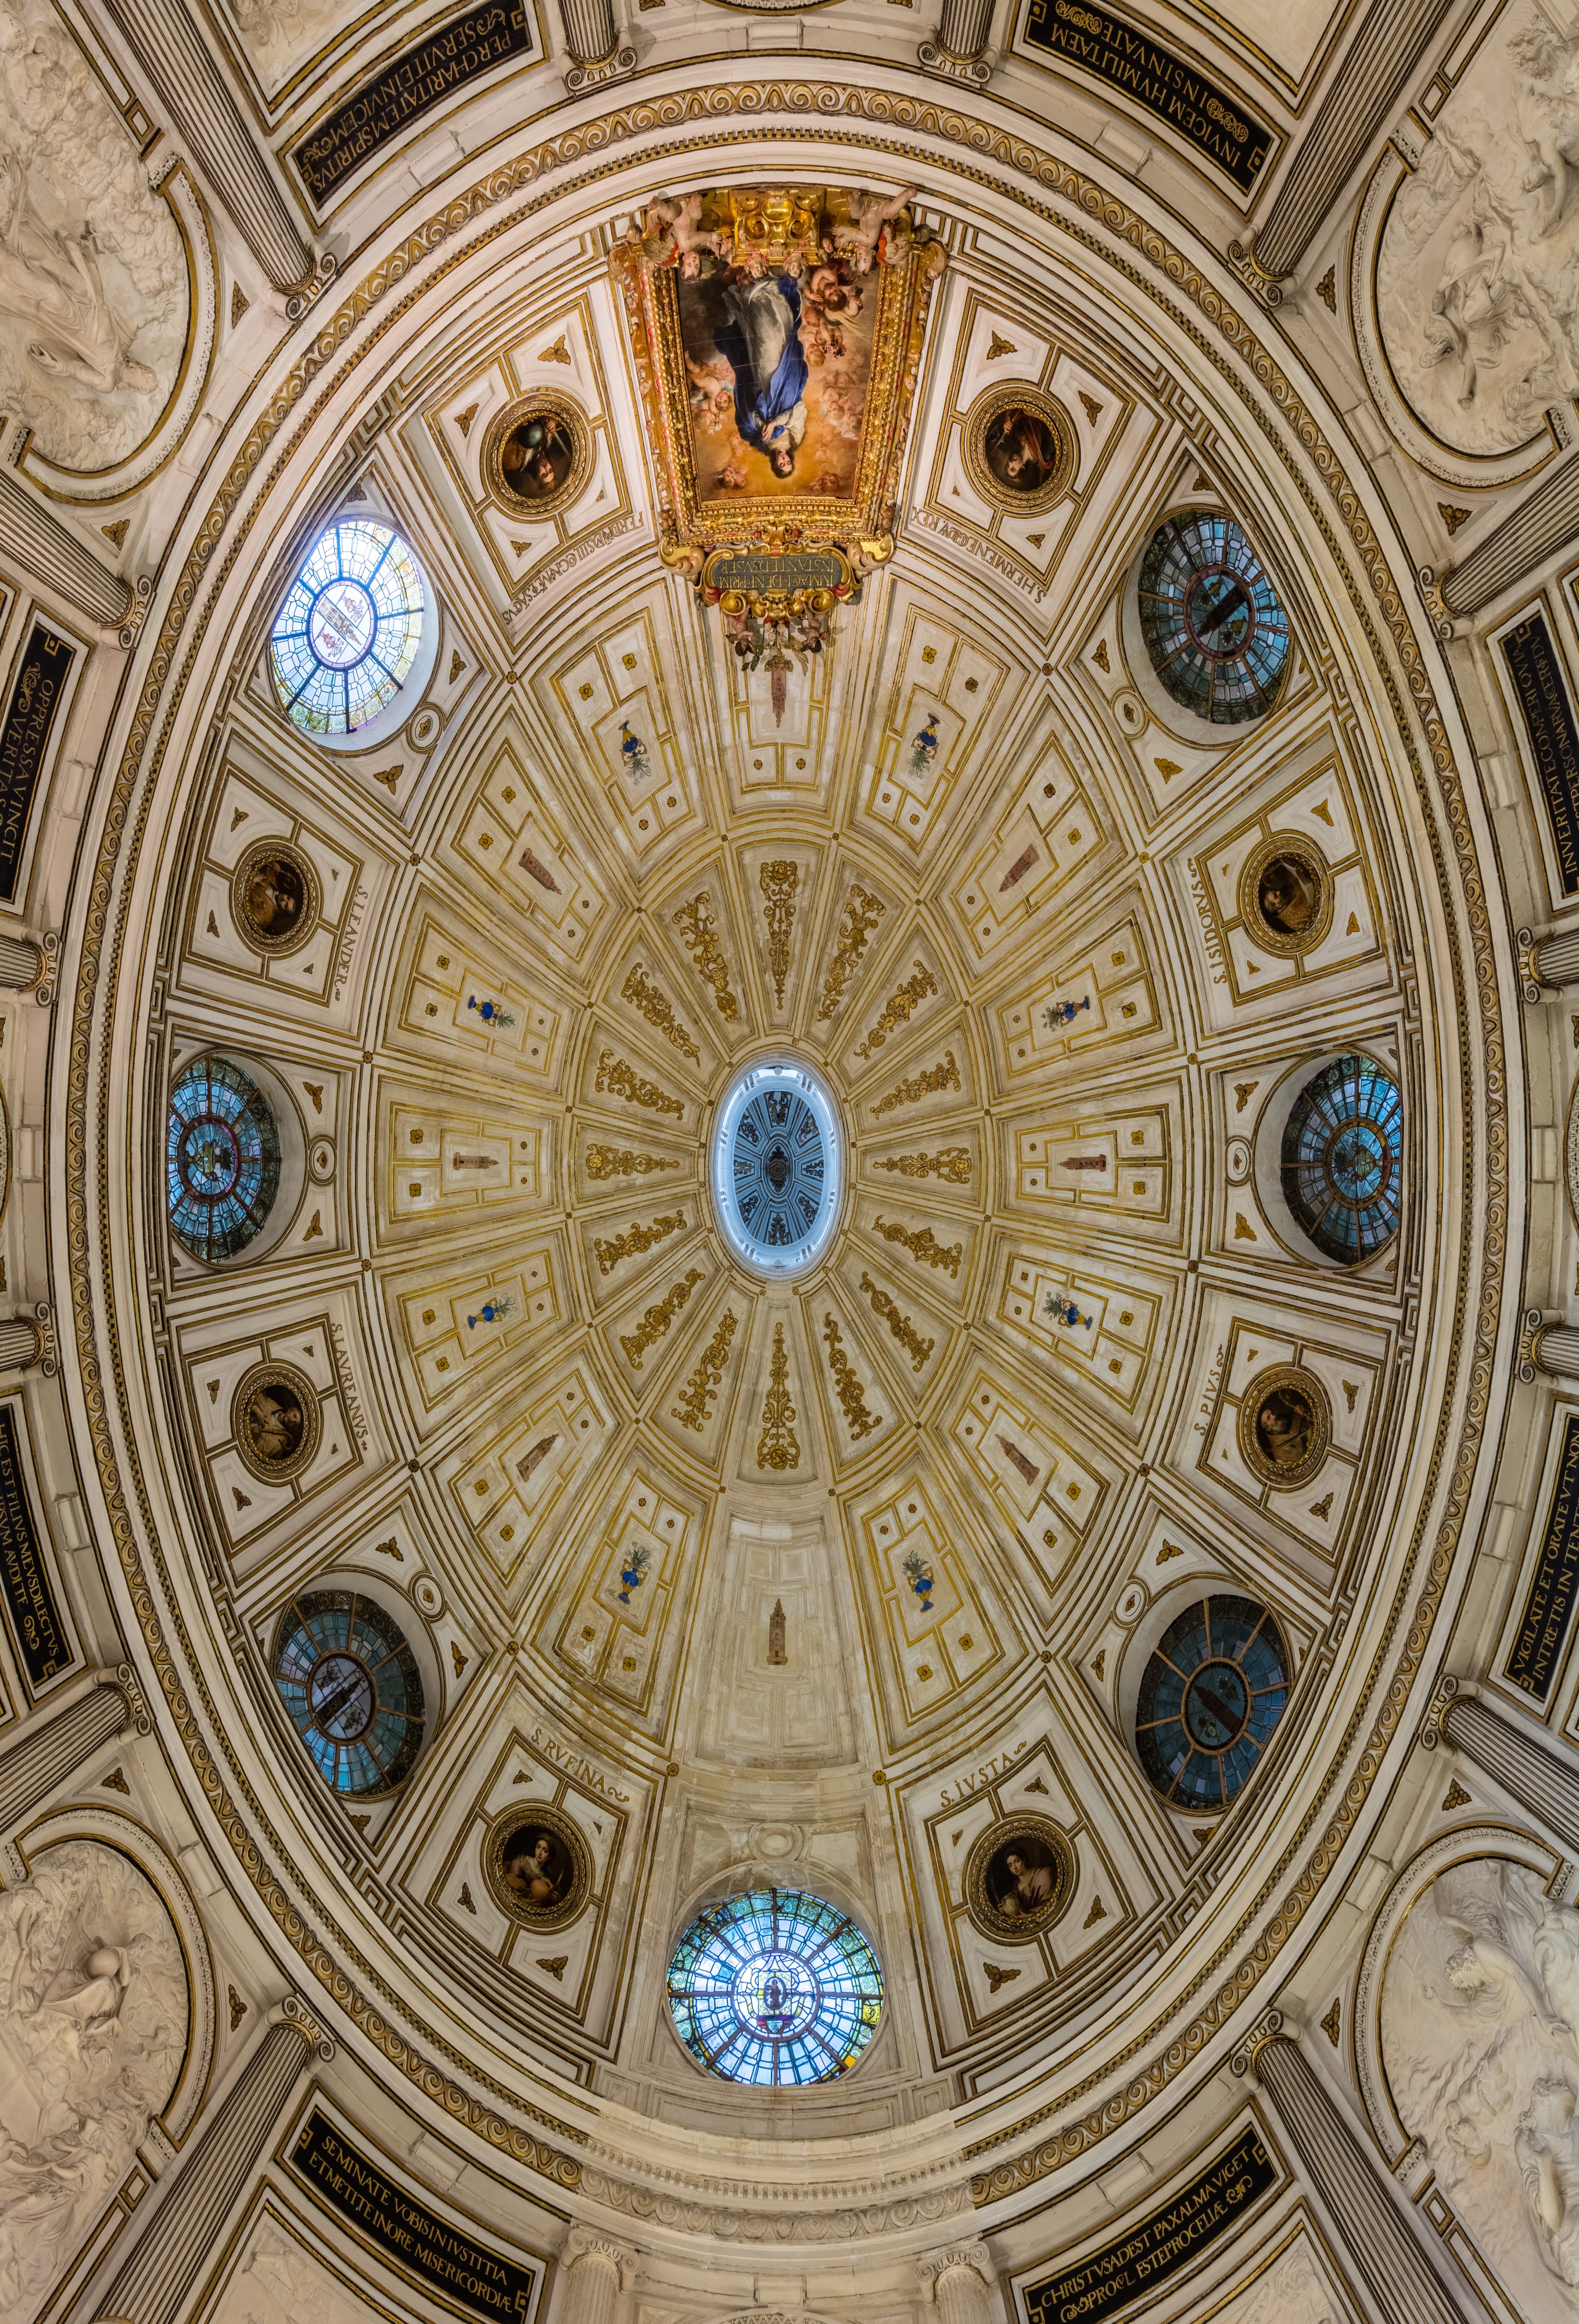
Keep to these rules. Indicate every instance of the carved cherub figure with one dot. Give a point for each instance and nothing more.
(859, 240)
(673, 235)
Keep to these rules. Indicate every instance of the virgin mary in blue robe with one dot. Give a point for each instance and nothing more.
(761, 343)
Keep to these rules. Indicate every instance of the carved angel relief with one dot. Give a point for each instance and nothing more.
(93, 276)
(94, 2012)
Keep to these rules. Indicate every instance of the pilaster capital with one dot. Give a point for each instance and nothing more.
(619, 60)
(591, 2243)
(1268, 288)
(973, 2259)
(934, 58)
(126, 1683)
(294, 2012)
(1435, 1710)
(1269, 2027)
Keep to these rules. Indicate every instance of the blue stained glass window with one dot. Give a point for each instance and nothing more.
(1210, 1697)
(1342, 1151)
(775, 1986)
(1217, 637)
(344, 640)
(222, 1159)
(353, 1689)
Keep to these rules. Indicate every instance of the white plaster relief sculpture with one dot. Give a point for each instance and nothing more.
(93, 277)
(1478, 275)
(278, 2282)
(93, 2027)
(1290, 2291)
(1479, 2037)
(282, 34)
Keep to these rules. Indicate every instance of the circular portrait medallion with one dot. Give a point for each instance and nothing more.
(1018, 1878)
(1019, 448)
(276, 895)
(276, 1420)
(538, 1867)
(1286, 894)
(1285, 1426)
(537, 453)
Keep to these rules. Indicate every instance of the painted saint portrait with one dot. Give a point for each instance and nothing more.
(538, 1867)
(1019, 1876)
(276, 897)
(771, 325)
(1020, 448)
(1285, 1426)
(277, 1421)
(1286, 894)
(537, 453)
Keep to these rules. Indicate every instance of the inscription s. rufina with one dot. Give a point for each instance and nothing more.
(420, 78)
(1549, 1610)
(1543, 702)
(30, 718)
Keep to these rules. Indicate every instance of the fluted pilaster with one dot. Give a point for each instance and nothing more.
(33, 535)
(1555, 1350)
(1553, 961)
(957, 47)
(191, 88)
(1545, 520)
(1526, 1766)
(185, 2229)
(1384, 2241)
(593, 40)
(48, 1751)
(23, 1340)
(593, 2269)
(956, 2283)
(1370, 79)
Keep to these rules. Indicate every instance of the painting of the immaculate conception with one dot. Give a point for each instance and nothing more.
(776, 332)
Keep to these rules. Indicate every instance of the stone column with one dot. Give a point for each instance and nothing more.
(193, 92)
(48, 1751)
(959, 47)
(187, 2227)
(593, 2269)
(1523, 1763)
(1383, 2239)
(23, 1340)
(1553, 961)
(1545, 520)
(956, 2283)
(21, 963)
(1555, 1350)
(33, 535)
(595, 49)
(1370, 79)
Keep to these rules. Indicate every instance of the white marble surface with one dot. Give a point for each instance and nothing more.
(279, 2282)
(93, 278)
(1290, 2291)
(281, 34)
(1477, 290)
(93, 2025)
(1479, 2035)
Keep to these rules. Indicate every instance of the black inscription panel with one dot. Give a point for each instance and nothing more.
(1109, 48)
(402, 2230)
(24, 1574)
(1549, 1610)
(29, 717)
(416, 80)
(1172, 2238)
(1549, 721)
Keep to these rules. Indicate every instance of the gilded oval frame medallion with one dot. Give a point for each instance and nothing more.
(567, 1867)
(262, 855)
(1310, 888)
(566, 425)
(984, 425)
(292, 1390)
(1292, 1386)
(994, 1896)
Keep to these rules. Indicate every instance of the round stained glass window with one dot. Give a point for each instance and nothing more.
(1217, 637)
(776, 1167)
(775, 1986)
(1342, 1150)
(221, 1159)
(1210, 1696)
(353, 1689)
(344, 640)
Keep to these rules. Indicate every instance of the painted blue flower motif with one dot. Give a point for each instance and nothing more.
(634, 1573)
(633, 752)
(492, 1310)
(490, 1011)
(920, 1575)
(924, 745)
(1064, 1012)
(1063, 1310)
